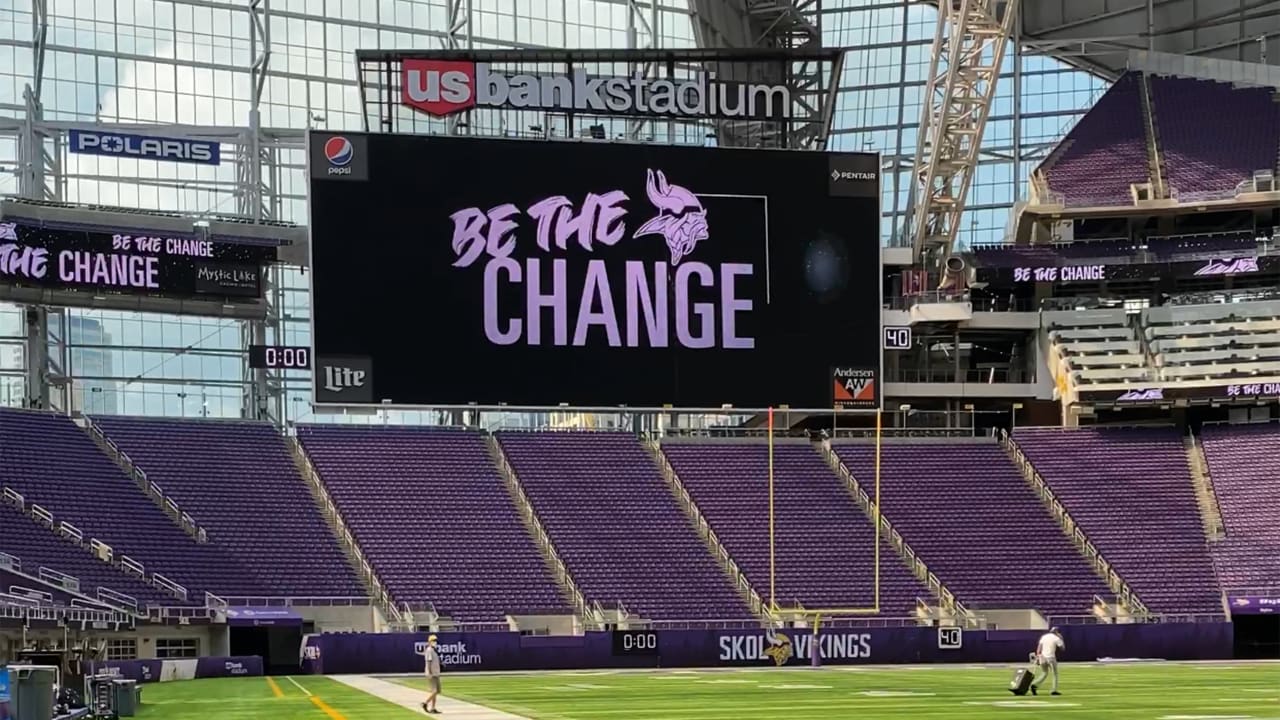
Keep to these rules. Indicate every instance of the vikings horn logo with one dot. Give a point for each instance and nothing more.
(681, 219)
(779, 649)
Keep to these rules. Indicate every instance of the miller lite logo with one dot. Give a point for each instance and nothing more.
(337, 379)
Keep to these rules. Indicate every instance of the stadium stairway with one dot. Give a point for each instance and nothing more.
(717, 548)
(397, 618)
(1128, 601)
(555, 565)
(1130, 490)
(963, 507)
(238, 478)
(612, 519)
(38, 544)
(1206, 498)
(824, 548)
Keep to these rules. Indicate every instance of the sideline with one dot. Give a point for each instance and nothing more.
(407, 697)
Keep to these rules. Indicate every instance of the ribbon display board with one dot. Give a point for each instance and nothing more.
(1086, 272)
(403, 652)
(1226, 391)
(125, 261)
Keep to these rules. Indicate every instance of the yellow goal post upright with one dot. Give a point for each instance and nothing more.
(775, 613)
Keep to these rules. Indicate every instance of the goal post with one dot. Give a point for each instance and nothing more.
(817, 614)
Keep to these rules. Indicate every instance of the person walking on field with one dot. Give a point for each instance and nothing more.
(433, 675)
(1047, 658)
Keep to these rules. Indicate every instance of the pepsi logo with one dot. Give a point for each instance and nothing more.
(338, 151)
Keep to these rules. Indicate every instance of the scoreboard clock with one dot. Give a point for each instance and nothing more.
(635, 642)
(279, 357)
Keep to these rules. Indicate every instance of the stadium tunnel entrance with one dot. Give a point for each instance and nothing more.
(277, 645)
(1257, 637)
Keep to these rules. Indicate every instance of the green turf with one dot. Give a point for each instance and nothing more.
(253, 699)
(1131, 692)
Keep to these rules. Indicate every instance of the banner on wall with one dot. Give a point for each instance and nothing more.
(1075, 273)
(402, 652)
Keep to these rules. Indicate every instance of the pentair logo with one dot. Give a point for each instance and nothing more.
(339, 152)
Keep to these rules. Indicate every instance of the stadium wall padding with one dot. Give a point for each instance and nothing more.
(401, 652)
(148, 671)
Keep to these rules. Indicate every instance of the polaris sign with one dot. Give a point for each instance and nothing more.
(145, 147)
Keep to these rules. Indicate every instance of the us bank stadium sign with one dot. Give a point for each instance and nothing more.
(129, 262)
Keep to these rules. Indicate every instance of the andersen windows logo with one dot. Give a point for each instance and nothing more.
(445, 87)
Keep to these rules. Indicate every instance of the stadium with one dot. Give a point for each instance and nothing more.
(617, 360)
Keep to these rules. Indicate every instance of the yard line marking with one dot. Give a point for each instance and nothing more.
(333, 714)
(295, 684)
(275, 688)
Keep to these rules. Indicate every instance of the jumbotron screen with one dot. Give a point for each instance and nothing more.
(451, 271)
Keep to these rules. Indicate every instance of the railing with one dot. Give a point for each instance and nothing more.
(62, 580)
(918, 567)
(169, 586)
(139, 477)
(71, 532)
(215, 602)
(132, 566)
(1099, 563)
(9, 562)
(182, 614)
(580, 606)
(101, 550)
(377, 589)
(41, 515)
(1210, 511)
(294, 601)
(14, 498)
(988, 376)
(118, 599)
(1144, 620)
(704, 528)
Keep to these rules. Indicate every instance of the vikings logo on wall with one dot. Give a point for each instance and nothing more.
(628, 307)
(780, 649)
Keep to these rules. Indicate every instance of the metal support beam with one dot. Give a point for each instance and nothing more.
(458, 36)
(968, 51)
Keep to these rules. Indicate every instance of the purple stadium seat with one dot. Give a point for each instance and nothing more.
(1105, 152)
(55, 464)
(1131, 492)
(238, 480)
(1207, 154)
(970, 516)
(824, 543)
(1241, 462)
(38, 547)
(618, 528)
(431, 514)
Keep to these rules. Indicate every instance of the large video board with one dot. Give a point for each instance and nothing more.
(124, 261)
(451, 271)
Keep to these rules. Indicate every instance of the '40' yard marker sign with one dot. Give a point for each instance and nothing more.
(897, 337)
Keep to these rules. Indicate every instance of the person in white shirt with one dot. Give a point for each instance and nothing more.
(433, 675)
(1047, 658)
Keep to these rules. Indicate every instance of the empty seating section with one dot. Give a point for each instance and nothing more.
(1205, 157)
(1105, 152)
(825, 544)
(1197, 342)
(238, 480)
(37, 546)
(1242, 460)
(1097, 346)
(967, 512)
(55, 464)
(431, 514)
(1130, 491)
(617, 526)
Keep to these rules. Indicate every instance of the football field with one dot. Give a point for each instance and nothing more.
(1132, 691)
